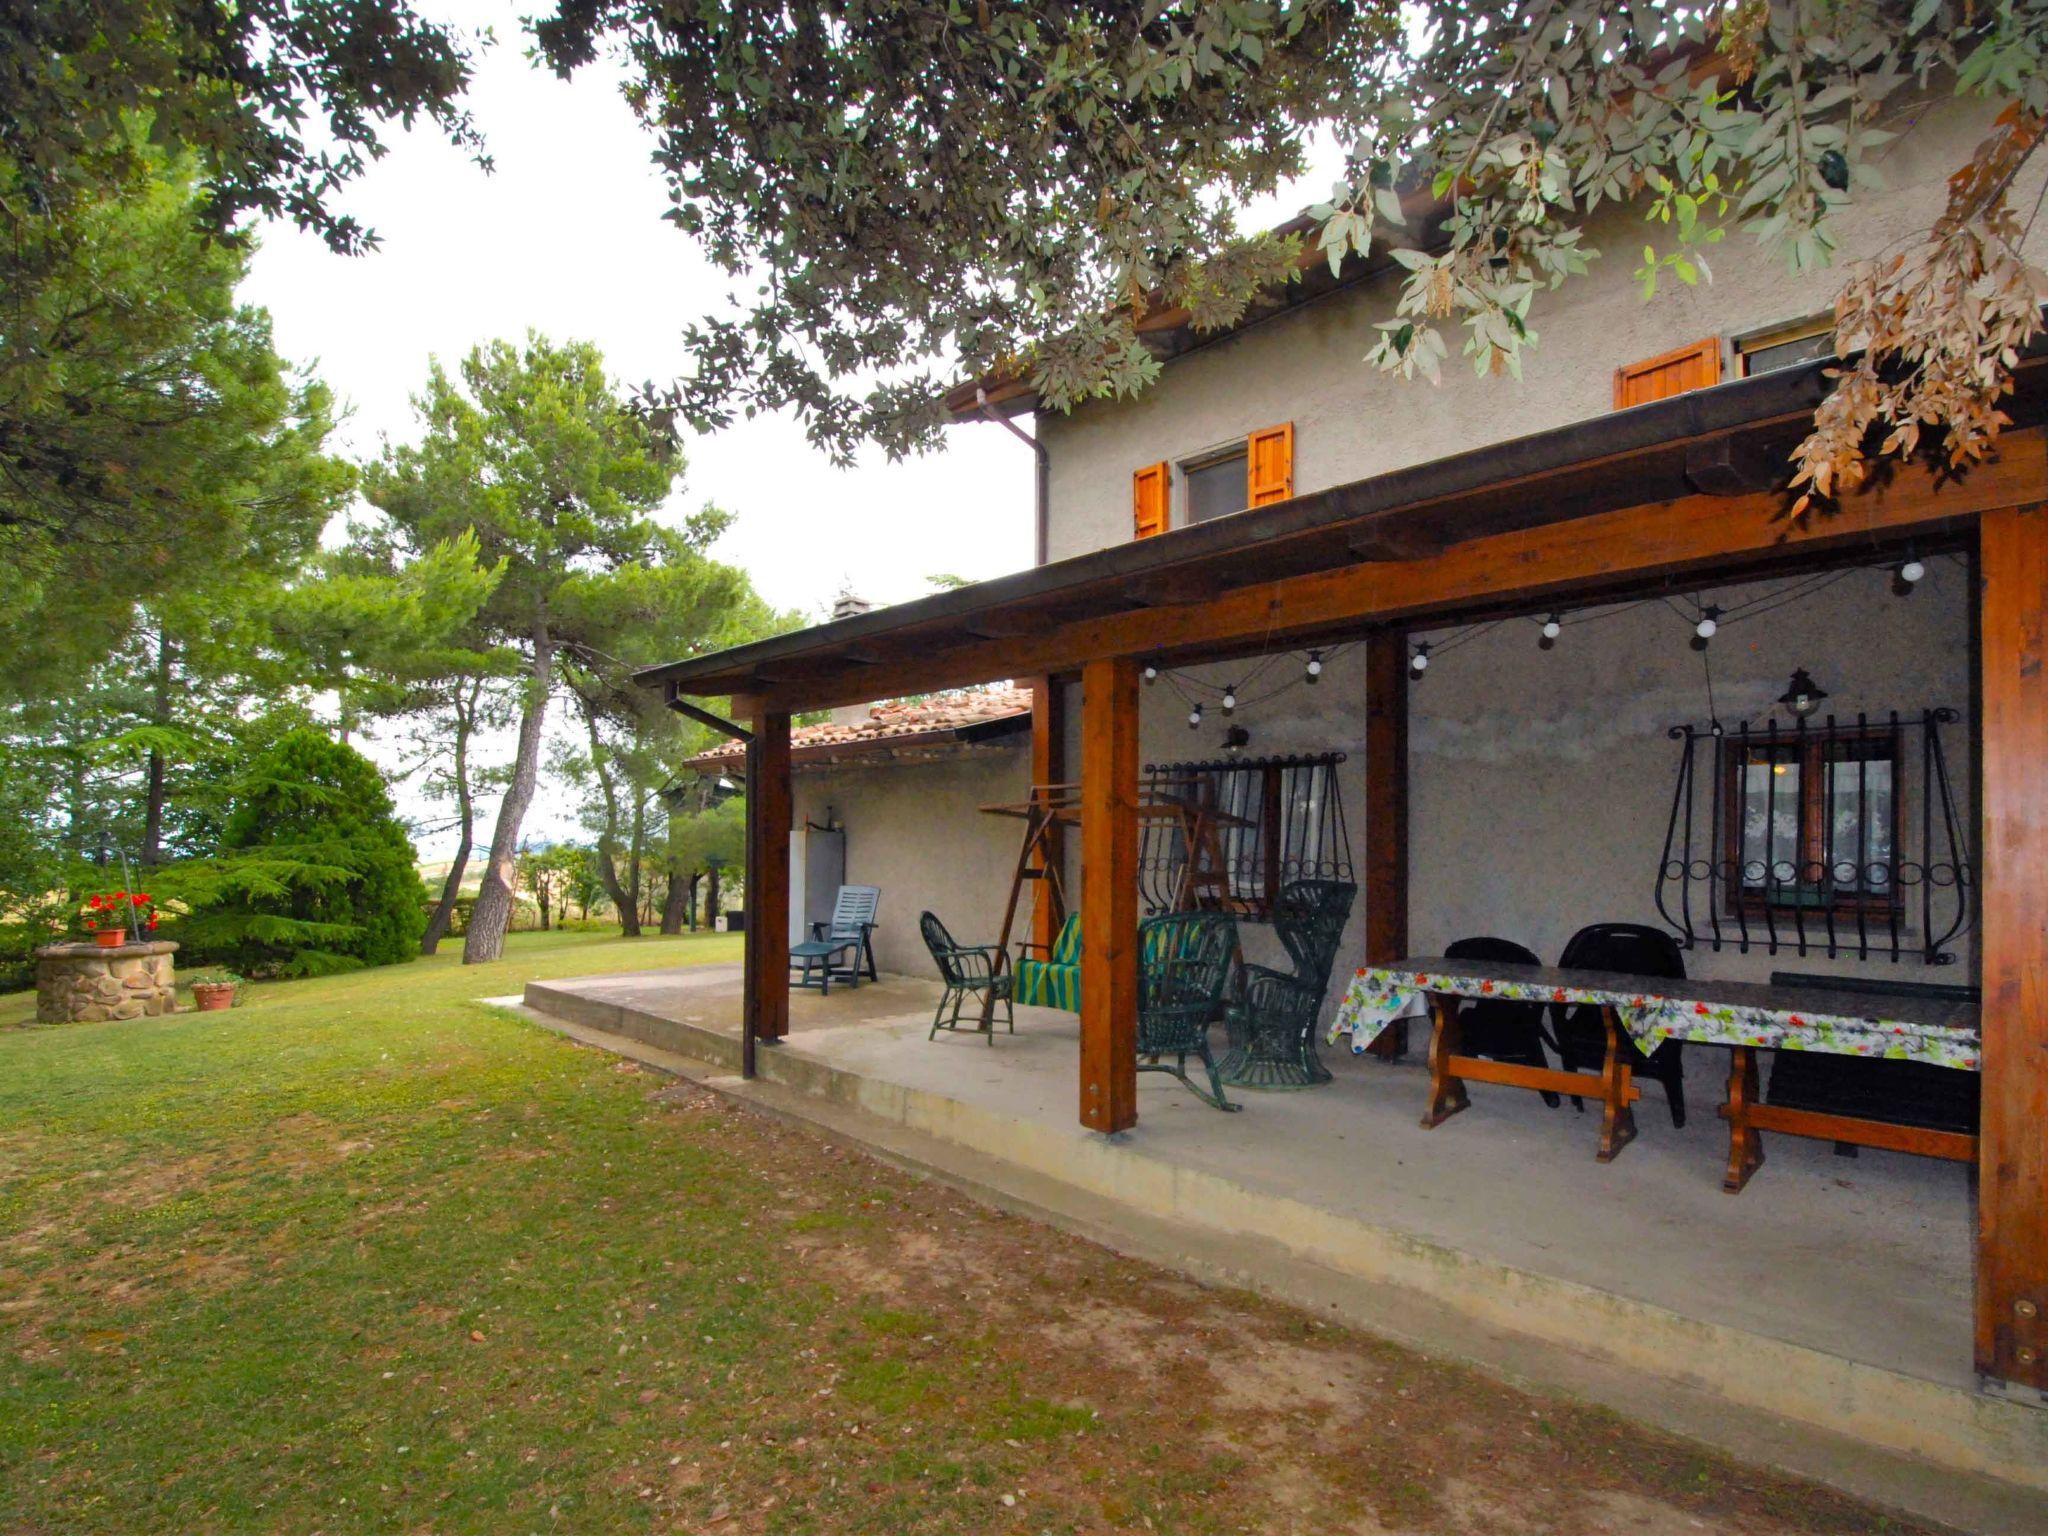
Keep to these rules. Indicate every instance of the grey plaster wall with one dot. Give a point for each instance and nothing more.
(1540, 781)
(917, 831)
(1351, 421)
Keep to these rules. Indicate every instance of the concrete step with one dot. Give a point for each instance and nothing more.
(573, 1003)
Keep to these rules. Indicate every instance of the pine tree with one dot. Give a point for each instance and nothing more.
(315, 874)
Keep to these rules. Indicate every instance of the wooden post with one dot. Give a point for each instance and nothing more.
(1109, 894)
(2012, 1185)
(1048, 766)
(765, 985)
(1386, 813)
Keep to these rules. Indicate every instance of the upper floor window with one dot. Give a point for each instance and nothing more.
(1256, 470)
(1216, 483)
(1784, 346)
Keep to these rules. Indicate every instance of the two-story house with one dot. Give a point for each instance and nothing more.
(1514, 657)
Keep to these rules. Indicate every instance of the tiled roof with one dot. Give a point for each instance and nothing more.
(896, 722)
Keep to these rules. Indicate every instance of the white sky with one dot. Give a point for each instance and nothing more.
(567, 238)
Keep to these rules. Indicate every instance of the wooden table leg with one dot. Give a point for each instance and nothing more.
(1745, 1141)
(1617, 1120)
(1446, 1093)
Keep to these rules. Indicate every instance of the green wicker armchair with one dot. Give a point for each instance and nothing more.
(969, 971)
(1184, 962)
(1272, 1026)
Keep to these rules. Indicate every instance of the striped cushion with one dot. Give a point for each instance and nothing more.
(1042, 984)
(1066, 949)
(1054, 983)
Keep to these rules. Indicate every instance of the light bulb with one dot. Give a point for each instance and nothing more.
(1314, 669)
(1912, 571)
(1705, 629)
(1229, 700)
(1419, 663)
(1552, 628)
(1151, 673)
(1195, 717)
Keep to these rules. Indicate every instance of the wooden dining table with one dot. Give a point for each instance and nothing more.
(1745, 1017)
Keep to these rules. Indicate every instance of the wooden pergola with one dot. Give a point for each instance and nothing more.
(1680, 490)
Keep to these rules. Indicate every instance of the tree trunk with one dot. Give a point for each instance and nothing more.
(633, 860)
(443, 916)
(626, 904)
(160, 714)
(711, 900)
(485, 939)
(541, 896)
(675, 903)
(695, 878)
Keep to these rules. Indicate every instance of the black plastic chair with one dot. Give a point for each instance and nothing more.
(1629, 949)
(1496, 1027)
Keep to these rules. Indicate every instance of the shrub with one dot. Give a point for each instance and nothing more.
(315, 874)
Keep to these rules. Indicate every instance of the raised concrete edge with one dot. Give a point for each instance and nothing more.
(1974, 1462)
(565, 1001)
(1950, 1426)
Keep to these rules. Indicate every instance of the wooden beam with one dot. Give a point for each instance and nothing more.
(1395, 543)
(1007, 627)
(1731, 466)
(1690, 536)
(2012, 1166)
(764, 986)
(1048, 766)
(1386, 812)
(1109, 894)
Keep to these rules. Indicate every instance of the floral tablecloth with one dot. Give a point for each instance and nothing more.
(1840, 1022)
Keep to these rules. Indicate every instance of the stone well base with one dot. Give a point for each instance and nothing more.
(83, 982)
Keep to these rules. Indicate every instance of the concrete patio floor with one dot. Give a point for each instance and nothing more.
(1833, 1291)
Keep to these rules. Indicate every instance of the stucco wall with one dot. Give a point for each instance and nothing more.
(917, 831)
(1351, 421)
(1540, 781)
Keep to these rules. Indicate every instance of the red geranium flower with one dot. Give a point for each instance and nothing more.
(94, 903)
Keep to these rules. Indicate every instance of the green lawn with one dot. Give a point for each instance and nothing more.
(363, 1255)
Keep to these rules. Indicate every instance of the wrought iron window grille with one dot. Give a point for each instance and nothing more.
(1800, 838)
(1251, 825)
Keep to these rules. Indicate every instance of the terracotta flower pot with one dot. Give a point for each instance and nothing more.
(212, 996)
(110, 938)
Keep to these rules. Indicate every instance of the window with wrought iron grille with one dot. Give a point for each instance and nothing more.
(1838, 837)
(1247, 826)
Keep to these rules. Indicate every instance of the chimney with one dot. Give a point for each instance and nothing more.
(847, 606)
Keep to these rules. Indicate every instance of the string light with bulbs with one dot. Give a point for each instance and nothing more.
(1704, 620)
(1198, 693)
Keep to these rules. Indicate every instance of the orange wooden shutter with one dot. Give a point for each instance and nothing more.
(1269, 465)
(1669, 373)
(1149, 488)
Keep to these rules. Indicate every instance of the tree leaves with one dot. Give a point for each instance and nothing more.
(230, 83)
(931, 190)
